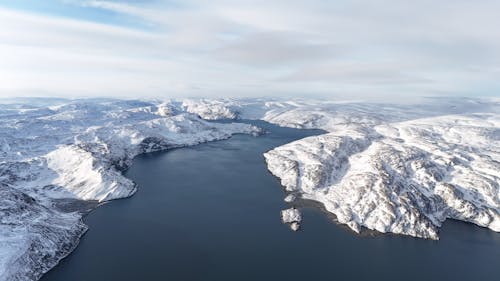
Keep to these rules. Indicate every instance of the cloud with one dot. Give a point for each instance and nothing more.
(357, 73)
(274, 48)
(224, 48)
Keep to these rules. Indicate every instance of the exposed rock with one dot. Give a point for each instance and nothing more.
(293, 217)
(76, 151)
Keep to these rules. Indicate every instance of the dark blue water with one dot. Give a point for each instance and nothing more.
(212, 212)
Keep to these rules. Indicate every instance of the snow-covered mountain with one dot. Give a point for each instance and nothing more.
(387, 167)
(73, 151)
(402, 169)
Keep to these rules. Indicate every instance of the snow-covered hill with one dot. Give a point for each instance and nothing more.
(388, 167)
(391, 168)
(73, 151)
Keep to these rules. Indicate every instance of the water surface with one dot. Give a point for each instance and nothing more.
(212, 212)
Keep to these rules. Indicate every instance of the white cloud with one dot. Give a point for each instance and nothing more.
(221, 48)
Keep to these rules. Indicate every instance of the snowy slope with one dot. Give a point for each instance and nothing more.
(75, 150)
(392, 168)
(388, 167)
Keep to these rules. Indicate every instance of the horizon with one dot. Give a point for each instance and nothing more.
(179, 49)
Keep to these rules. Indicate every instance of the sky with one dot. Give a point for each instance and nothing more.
(219, 48)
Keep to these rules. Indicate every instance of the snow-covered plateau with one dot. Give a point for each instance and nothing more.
(56, 153)
(392, 168)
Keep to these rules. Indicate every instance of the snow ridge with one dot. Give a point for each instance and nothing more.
(401, 177)
(394, 168)
(53, 155)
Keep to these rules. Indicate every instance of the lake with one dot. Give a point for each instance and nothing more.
(212, 212)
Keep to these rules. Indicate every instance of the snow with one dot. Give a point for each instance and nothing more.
(293, 217)
(210, 109)
(76, 150)
(402, 169)
(405, 177)
(395, 168)
(295, 226)
(290, 198)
